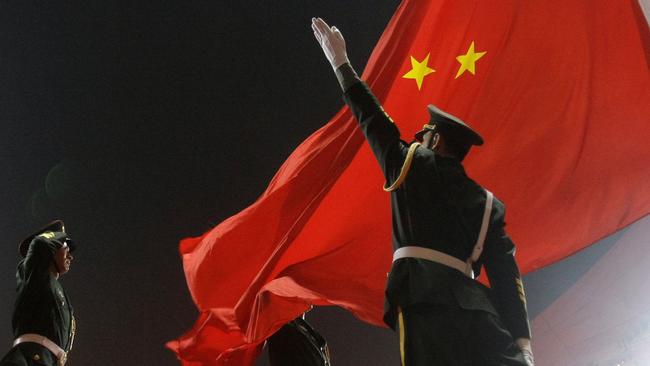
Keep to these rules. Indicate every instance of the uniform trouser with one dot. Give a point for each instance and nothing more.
(440, 335)
(29, 354)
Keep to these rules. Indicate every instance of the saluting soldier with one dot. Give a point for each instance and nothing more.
(43, 320)
(445, 228)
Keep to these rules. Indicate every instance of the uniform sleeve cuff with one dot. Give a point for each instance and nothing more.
(524, 344)
(346, 76)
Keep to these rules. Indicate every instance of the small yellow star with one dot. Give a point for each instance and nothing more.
(419, 70)
(468, 60)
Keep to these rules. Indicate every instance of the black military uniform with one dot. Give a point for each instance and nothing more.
(43, 319)
(444, 316)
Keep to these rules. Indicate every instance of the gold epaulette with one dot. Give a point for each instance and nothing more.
(405, 168)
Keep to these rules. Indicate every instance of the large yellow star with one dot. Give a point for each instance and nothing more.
(419, 70)
(468, 60)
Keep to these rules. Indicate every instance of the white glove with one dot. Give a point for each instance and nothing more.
(527, 350)
(332, 42)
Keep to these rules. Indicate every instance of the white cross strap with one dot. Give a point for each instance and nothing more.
(478, 247)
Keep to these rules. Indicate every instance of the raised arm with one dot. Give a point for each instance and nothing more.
(379, 129)
(35, 268)
(39, 256)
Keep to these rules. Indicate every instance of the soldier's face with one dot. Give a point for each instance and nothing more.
(63, 258)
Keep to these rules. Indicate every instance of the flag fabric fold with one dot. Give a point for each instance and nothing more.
(560, 90)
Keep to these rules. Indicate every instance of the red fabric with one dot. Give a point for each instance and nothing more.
(562, 98)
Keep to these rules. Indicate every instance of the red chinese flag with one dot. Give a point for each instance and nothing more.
(559, 89)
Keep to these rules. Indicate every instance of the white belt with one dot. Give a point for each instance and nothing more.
(434, 256)
(446, 259)
(60, 354)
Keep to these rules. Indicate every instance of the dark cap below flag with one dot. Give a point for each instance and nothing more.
(54, 230)
(459, 129)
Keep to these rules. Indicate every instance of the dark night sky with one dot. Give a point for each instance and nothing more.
(140, 123)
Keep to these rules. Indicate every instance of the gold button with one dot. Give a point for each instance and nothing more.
(36, 357)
